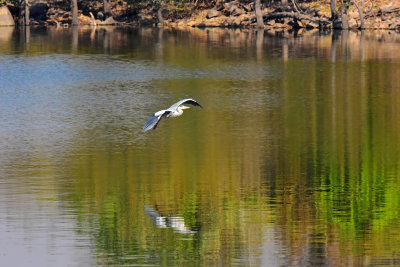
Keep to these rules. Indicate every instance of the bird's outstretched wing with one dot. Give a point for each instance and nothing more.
(188, 101)
(154, 119)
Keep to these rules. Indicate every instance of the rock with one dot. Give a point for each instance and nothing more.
(228, 5)
(384, 25)
(212, 13)
(38, 11)
(237, 11)
(216, 21)
(237, 22)
(394, 25)
(6, 18)
(312, 25)
(353, 14)
(385, 8)
(191, 23)
(109, 21)
(84, 20)
(298, 24)
(337, 24)
(249, 7)
(219, 5)
(232, 9)
(229, 21)
(353, 23)
(146, 19)
(100, 15)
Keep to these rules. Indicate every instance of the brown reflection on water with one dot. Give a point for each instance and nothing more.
(293, 160)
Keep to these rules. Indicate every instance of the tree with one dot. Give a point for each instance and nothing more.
(27, 22)
(107, 8)
(259, 16)
(74, 8)
(334, 14)
(345, 17)
(24, 12)
(158, 5)
(360, 12)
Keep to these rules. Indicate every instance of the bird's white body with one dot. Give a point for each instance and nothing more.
(173, 111)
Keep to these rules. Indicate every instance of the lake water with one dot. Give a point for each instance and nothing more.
(293, 161)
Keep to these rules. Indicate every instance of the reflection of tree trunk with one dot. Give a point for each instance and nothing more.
(28, 35)
(107, 8)
(159, 47)
(93, 34)
(334, 15)
(75, 39)
(74, 8)
(285, 50)
(362, 45)
(107, 42)
(259, 43)
(259, 16)
(27, 31)
(345, 38)
(335, 37)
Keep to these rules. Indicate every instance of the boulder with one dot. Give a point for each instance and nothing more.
(312, 25)
(337, 24)
(84, 20)
(219, 5)
(216, 21)
(249, 7)
(212, 13)
(384, 25)
(298, 24)
(146, 19)
(385, 8)
(6, 18)
(229, 21)
(232, 9)
(109, 21)
(100, 15)
(228, 5)
(236, 11)
(38, 11)
(353, 23)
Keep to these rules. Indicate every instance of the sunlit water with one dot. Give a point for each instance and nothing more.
(293, 161)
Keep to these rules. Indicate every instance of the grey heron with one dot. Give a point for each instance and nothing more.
(173, 111)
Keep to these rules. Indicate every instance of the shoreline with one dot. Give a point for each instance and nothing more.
(223, 15)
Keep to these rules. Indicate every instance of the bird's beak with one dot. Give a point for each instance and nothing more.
(184, 107)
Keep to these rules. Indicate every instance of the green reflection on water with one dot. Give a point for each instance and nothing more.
(304, 153)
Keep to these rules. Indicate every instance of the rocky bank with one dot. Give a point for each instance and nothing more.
(224, 14)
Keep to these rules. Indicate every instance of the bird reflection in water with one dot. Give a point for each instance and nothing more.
(175, 222)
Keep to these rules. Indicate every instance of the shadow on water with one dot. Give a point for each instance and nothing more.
(292, 162)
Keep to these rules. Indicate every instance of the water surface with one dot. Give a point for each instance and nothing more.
(294, 160)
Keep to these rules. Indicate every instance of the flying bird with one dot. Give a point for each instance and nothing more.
(173, 111)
